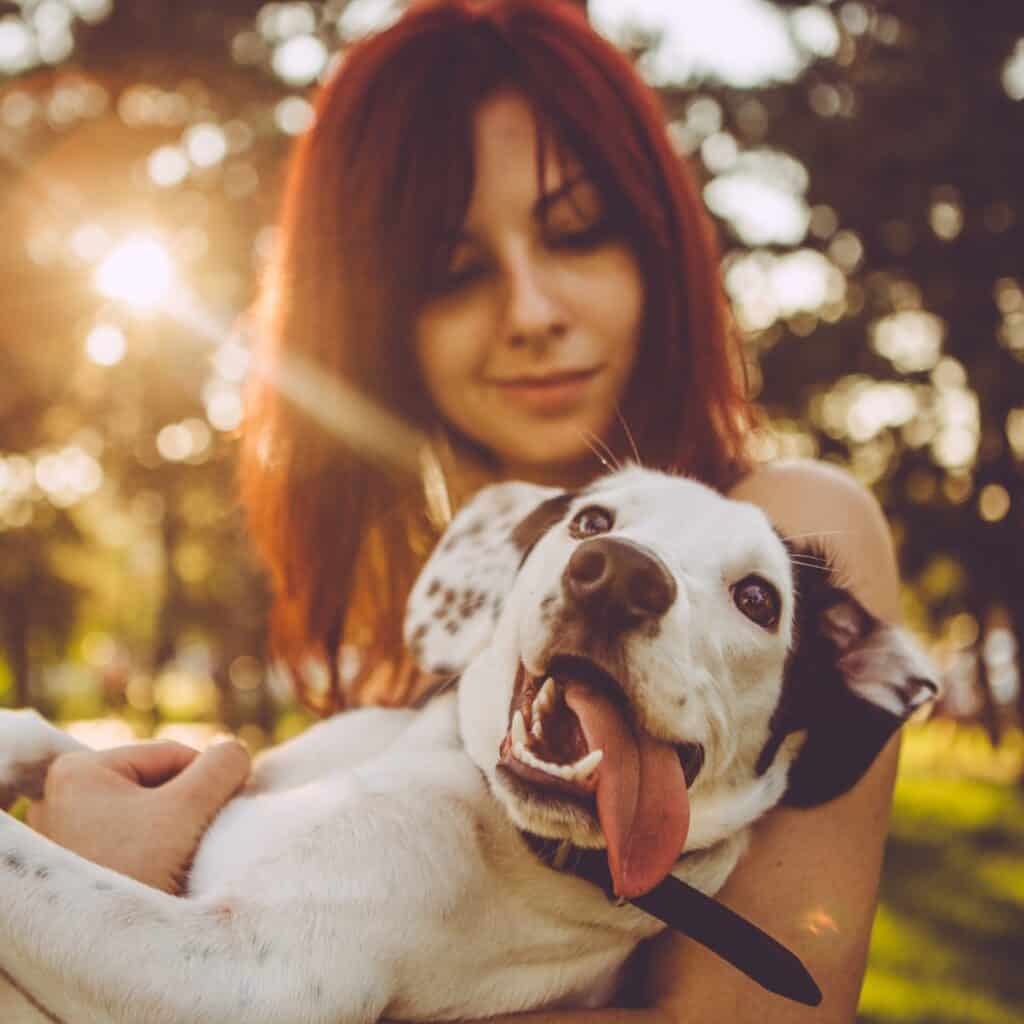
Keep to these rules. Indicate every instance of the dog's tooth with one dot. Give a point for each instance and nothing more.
(519, 729)
(548, 692)
(585, 765)
(536, 730)
(528, 757)
(545, 698)
(525, 755)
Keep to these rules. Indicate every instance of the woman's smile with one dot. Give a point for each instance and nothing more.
(552, 392)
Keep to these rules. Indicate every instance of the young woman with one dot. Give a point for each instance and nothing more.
(487, 232)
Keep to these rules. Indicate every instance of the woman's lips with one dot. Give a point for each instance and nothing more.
(550, 392)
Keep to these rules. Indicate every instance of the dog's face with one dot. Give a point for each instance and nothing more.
(647, 665)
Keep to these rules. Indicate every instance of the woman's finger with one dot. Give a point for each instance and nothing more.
(212, 777)
(148, 764)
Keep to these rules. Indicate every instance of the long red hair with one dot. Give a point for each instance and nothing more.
(382, 177)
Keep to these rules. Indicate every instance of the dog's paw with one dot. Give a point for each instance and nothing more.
(28, 746)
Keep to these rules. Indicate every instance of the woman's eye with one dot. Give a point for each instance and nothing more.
(590, 521)
(758, 600)
(581, 239)
(458, 277)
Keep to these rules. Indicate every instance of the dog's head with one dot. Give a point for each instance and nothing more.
(647, 665)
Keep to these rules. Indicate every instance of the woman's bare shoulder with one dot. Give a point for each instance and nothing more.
(818, 503)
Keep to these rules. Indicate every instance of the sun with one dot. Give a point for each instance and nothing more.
(138, 271)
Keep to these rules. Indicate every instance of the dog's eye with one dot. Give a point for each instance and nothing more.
(591, 521)
(758, 600)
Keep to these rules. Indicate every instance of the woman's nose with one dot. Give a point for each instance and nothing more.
(533, 315)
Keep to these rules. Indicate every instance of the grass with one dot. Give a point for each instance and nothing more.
(948, 943)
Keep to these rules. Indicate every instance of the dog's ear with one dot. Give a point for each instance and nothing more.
(851, 682)
(458, 596)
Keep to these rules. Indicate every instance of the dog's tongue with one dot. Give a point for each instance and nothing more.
(642, 802)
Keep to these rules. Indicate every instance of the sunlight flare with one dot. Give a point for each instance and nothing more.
(138, 271)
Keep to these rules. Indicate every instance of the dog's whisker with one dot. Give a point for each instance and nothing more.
(607, 450)
(603, 453)
(809, 559)
(604, 462)
(585, 438)
(629, 436)
(820, 566)
(815, 533)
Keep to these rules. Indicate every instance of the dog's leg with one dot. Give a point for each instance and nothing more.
(336, 744)
(105, 948)
(28, 746)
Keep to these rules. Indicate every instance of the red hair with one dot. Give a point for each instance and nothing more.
(381, 179)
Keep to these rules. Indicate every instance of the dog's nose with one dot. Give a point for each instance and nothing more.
(618, 581)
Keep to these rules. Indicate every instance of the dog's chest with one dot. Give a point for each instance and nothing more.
(321, 807)
(409, 848)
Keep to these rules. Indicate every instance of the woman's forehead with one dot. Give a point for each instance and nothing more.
(512, 140)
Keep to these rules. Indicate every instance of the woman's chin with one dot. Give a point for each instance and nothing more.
(553, 462)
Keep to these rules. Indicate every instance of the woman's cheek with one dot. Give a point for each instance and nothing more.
(449, 366)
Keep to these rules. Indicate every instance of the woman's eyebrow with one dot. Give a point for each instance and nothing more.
(467, 236)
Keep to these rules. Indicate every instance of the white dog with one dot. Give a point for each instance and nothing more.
(645, 668)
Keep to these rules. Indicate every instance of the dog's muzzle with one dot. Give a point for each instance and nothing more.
(568, 738)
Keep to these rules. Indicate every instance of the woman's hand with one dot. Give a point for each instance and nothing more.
(139, 810)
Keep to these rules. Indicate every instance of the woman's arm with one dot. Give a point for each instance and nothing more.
(811, 877)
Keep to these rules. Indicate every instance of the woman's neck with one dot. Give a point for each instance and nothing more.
(568, 476)
(465, 473)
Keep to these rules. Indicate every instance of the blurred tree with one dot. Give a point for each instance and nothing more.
(911, 126)
(870, 201)
(114, 425)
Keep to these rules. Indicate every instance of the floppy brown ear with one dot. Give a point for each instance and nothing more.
(457, 597)
(851, 682)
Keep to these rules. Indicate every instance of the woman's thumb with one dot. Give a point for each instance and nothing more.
(213, 777)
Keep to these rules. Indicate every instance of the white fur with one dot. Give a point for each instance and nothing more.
(372, 867)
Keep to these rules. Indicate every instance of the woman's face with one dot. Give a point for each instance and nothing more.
(528, 342)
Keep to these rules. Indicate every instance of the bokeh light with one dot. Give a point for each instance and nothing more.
(300, 60)
(1013, 73)
(168, 166)
(138, 272)
(910, 339)
(993, 503)
(293, 115)
(205, 144)
(742, 42)
(105, 344)
(17, 48)
(762, 197)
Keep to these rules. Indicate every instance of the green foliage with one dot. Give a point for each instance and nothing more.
(949, 936)
(6, 684)
(882, 309)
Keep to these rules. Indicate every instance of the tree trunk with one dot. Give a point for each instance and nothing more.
(16, 625)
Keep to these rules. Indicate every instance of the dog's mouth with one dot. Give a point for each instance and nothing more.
(571, 736)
